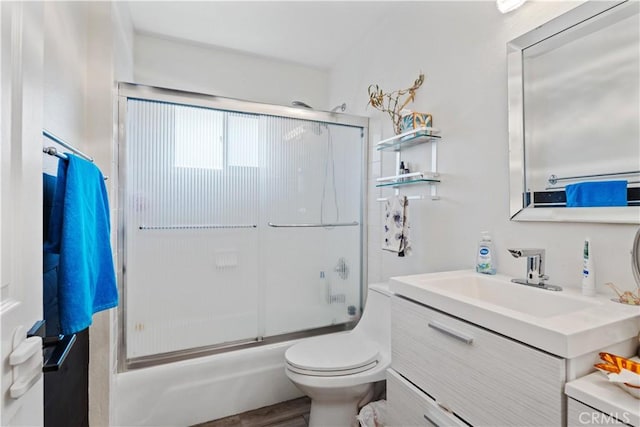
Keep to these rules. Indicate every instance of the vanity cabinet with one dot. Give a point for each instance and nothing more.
(579, 414)
(594, 401)
(439, 361)
(412, 407)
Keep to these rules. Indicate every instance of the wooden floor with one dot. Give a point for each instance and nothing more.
(293, 413)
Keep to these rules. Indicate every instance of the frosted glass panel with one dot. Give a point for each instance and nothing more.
(312, 175)
(191, 255)
(203, 267)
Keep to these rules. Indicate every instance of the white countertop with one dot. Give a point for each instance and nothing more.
(600, 324)
(596, 391)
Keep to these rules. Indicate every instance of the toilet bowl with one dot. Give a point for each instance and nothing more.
(338, 371)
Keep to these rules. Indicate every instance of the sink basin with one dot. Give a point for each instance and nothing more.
(564, 323)
(512, 296)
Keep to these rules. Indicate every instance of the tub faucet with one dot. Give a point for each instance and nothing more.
(535, 268)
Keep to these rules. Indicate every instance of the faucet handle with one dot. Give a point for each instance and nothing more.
(528, 252)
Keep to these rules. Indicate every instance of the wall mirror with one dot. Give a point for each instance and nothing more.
(574, 113)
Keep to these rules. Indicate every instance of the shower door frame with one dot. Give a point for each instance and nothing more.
(128, 91)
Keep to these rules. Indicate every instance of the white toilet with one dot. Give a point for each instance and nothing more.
(338, 371)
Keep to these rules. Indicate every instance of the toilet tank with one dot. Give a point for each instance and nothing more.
(375, 323)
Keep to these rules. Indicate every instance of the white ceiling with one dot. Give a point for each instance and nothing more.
(312, 33)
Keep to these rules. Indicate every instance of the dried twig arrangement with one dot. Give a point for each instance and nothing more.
(390, 103)
(626, 297)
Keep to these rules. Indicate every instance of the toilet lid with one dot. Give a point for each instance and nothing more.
(333, 353)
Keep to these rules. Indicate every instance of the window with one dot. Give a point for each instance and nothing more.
(198, 136)
(243, 140)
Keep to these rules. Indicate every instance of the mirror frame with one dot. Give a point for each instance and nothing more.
(518, 209)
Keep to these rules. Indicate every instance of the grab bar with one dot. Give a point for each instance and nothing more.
(334, 224)
(554, 179)
(190, 227)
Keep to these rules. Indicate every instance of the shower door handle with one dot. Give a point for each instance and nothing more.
(334, 224)
(194, 226)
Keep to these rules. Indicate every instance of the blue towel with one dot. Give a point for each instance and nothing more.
(79, 230)
(596, 194)
(50, 261)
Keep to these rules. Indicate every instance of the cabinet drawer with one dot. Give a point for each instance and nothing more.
(409, 406)
(579, 414)
(483, 377)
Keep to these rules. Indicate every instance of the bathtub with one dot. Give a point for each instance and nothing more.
(202, 389)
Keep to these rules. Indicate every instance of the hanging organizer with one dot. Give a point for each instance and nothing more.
(405, 140)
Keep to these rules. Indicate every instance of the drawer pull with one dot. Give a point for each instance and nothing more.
(426, 417)
(448, 331)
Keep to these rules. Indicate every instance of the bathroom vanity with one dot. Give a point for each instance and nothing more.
(478, 348)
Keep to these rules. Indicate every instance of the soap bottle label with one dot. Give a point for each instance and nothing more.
(484, 260)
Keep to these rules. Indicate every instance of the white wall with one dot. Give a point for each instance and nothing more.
(88, 45)
(187, 66)
(65, 59)
(461, 48)
(123, 43)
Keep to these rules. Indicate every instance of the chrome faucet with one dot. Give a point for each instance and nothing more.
(535, 268)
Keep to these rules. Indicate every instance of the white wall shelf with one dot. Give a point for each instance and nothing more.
(409, 181)
(403, 141)
(408, 139)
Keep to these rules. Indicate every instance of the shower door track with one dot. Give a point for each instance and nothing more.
(176, 356)
(127, 91)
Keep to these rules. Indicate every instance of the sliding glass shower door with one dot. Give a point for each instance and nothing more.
(236, 225)
(312, 176)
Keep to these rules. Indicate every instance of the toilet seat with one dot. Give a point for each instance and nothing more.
(332, 355)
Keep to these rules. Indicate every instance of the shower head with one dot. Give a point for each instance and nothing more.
(301, 104)
(340, 107)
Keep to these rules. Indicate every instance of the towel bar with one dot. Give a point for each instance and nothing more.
(562, 187)
(553, 180)
(335, 224)
(52, 151)
(66, 145)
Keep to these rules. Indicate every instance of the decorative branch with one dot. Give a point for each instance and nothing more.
(391, 104)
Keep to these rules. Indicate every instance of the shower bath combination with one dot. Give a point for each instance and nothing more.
(222, 243)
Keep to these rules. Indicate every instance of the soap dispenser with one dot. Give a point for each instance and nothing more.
(485, 261)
